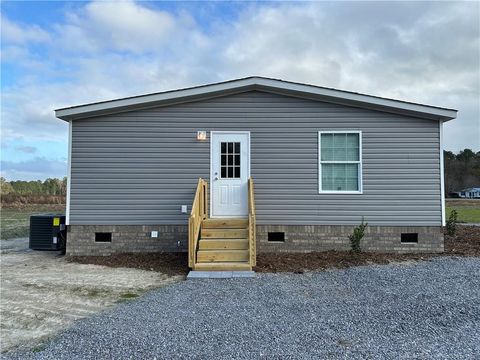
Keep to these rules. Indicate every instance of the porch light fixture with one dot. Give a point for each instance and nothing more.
(201, 135)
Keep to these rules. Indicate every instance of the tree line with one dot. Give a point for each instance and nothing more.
(49, 191)
(56, 187)
(462, 170)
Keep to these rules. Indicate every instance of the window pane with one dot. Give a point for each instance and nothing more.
(353, 146)
(351, 171)
(223, 147)
(339, 140)
(340, 177)
(326, 150)
(237, 148)
(230, 148)
(351, 185)
(353, 140)
(327, 185)
(327, 154)
(340, 154)
(351, 181)
(237, 171)
(230, 172)
(353, 155)
(327, 140)
(327, 177)
(230, 159)
(237, 160)
(224, 172)
(224, 160)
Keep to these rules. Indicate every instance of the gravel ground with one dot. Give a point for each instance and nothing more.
(421, 310)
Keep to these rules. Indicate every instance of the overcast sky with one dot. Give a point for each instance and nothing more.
(56, 54)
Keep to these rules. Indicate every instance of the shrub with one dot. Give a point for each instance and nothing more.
(357, 236)
(452, 223)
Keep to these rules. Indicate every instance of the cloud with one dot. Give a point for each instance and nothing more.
(13, 33)
(123, 26)
(127, 26)
(36, 168)
(26, 149)
(417, 51)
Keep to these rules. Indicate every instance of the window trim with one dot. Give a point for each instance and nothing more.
(360, 162)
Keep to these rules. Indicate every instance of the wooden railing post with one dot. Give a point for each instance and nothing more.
(197, 215)
(252, 236)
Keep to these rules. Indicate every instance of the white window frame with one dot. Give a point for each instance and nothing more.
(320, 162)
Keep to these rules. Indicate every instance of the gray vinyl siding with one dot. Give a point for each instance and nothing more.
(139, 167)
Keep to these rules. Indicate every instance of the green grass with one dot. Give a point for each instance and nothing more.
(39, 348)
(125, 297)
(129, 295)
(468, 210)
(15, 222)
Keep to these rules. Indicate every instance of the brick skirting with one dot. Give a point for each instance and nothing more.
(126, 239)
(298, 238)
(304, 238)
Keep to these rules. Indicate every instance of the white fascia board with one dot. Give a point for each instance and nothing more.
(254, 82)
(153, 98)
(445, 114)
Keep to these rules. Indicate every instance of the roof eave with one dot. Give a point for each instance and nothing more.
(256, 83)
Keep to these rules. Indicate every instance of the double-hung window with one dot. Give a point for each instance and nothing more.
(340, 161)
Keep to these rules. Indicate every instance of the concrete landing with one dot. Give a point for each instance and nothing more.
(220, 274)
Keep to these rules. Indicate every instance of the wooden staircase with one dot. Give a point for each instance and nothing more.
(223, 245)
(220, 244)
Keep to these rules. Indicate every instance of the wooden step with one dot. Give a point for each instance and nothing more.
(224, 233)
(221, 244)
(221, 255)
(223, 266)
(225, 223)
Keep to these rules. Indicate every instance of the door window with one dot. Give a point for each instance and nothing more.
(230, 160)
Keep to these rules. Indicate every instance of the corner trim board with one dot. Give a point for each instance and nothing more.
(69, 173)
(442, 175)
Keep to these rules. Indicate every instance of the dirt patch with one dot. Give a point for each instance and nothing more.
(42, 293)
(167, 263)
(474, 203)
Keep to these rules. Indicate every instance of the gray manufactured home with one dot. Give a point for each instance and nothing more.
(255, 164)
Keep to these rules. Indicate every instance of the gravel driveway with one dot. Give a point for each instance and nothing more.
(422, 310)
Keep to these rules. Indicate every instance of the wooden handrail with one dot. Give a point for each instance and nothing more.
(252, 229)
(198, 214)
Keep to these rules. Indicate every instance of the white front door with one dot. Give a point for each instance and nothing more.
(229, 173)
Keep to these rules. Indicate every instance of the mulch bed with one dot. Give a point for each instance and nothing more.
(466, 242)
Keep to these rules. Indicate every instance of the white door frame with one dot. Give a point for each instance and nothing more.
(211, 162)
